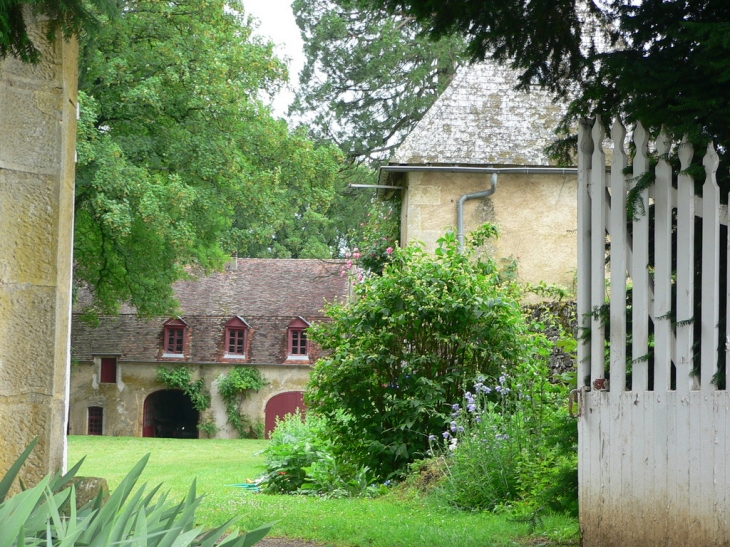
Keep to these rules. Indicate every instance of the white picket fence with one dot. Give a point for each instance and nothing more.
(653, 460)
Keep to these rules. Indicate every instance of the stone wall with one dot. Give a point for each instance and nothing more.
(37, 143)
(536, 216)
(123, 401)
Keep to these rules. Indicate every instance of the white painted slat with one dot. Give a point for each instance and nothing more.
(673, 494)
(722, 476)
(604, 411)
(710, 270)
(685, 270)
(583, 304)
(646, 478)
(681, 472)
(662, 266)
(695, 467)
(626, 440)
(598, 246)
(706, 438)
(618, 231)
(612, 467)
(640, 271)
(660, 448)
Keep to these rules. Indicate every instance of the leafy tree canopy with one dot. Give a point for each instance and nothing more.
(369, 76)
(179, 161)
(400, 353)
(68, 16)
(658, 61)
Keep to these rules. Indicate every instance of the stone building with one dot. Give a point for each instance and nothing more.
(254, 314)
(480, 128)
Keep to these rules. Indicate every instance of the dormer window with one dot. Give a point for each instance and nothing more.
(236, 338)
(298, 344)
(174, 338)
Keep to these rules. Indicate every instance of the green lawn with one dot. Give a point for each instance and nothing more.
(389, 521)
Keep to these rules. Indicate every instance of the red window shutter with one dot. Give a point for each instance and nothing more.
(108, 370)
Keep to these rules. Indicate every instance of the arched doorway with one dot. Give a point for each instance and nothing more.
(170, 413)
(282, 404)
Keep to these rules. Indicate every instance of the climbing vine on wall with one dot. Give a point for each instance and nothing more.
(237, 382)
(180, 378)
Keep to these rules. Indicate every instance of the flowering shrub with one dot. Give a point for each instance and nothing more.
(500, 445)
(402, 350)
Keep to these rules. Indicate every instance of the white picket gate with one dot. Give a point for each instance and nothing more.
(653, 450)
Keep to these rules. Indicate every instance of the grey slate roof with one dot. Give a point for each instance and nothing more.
(268, 293)
(481, 120)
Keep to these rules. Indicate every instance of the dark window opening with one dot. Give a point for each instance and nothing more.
(170, 413)
(96, 420)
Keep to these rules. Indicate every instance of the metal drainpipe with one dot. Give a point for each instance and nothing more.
(477, 170)
(460, 209)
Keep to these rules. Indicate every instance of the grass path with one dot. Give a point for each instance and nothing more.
(388, 521)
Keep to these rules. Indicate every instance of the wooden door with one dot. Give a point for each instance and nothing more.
(282, 404)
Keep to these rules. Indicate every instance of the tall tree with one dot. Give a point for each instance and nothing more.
(658, 61)
(68, 16)
(180, 162)
(369, 76)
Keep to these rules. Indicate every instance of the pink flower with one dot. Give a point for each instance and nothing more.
(347, 254)
(349, 263)
(342, 273)
(356, 249)
(389, 250)
(355, 255)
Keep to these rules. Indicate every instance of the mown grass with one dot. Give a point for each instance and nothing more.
(393, 520)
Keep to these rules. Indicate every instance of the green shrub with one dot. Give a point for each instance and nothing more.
(300, 460)
(403, 349)
(46, 515)
(295, 443)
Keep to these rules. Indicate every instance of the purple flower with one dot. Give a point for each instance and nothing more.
(502, 379)
(471, 407)
(453, 427)
(486, 390)
(446, 435)
(460, 429)
(454, 407)
(432, 438)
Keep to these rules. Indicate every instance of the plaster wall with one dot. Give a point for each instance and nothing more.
(536, 216)
(37, 144)
(123, 402)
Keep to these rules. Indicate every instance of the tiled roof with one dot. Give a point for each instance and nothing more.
(481, 120)
(267, 293)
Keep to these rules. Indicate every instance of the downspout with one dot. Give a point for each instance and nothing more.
(473, 170)
(460, 209)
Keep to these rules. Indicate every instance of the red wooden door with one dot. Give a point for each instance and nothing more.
(148, 421)
(282, 404)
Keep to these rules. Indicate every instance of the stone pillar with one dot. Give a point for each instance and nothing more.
(37, 147)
